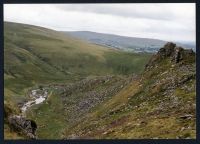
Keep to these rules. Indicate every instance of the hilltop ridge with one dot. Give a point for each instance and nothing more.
(175, 53)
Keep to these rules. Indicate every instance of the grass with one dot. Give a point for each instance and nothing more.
(49, 117)
(126, 63)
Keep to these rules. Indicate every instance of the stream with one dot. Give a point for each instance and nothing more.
(37, 96)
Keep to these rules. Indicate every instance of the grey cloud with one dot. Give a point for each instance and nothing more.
(162, 21)
(155, 12)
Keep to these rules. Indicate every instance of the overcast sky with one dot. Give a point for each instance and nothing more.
(171, 22)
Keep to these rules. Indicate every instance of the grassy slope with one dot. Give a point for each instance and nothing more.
(147, 108)
(35, 55)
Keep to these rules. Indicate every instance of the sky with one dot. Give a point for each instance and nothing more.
(170, 22)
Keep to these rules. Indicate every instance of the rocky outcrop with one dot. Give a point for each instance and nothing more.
(170, 50)
(23, 126)
(167, 50)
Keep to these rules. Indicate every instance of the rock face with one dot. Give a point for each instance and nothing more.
(170, 50)
(23, 126)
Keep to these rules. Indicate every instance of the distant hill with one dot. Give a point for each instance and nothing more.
(132, 44)
(187, 44)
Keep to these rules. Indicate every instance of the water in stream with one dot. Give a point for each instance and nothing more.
(37, 96)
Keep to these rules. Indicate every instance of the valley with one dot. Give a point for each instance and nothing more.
(74, 89)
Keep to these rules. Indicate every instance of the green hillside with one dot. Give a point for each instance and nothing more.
(35, 56)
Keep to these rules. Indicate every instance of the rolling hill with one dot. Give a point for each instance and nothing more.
(35, 55)
(131, 44)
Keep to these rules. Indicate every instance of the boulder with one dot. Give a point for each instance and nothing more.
(23, 126)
